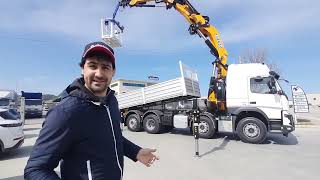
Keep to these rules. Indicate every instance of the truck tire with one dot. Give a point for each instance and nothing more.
(151, 124)
(133, 123)
(206, 128)
(252, 130)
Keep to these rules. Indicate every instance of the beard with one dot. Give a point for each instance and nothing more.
(98, 88)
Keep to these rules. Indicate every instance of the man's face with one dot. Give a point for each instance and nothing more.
(97, 75)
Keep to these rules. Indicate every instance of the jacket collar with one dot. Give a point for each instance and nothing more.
(78, 89)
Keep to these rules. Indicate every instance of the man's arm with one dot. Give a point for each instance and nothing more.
(136, 153)
(52, 143)
(130, 149)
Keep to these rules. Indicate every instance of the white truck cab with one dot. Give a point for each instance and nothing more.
(253, 94)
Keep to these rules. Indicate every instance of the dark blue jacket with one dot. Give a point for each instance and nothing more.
(84, 132)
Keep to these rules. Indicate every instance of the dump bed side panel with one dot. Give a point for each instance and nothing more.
(186, 85)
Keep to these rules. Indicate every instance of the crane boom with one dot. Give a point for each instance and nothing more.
(200, 25)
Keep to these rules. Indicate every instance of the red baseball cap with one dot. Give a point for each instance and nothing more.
(98, 47)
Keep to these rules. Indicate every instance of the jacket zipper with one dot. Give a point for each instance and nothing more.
(114, 140)
(89, 170)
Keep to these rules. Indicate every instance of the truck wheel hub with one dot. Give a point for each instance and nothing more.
(203, 127)
(251, 130)
(151, 124)
(133, 122)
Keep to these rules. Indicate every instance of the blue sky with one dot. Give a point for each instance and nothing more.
(41, 41)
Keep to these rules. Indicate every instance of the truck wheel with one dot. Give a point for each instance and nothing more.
(252, 130)
(151, 124)
(206, 127)
(133, 123)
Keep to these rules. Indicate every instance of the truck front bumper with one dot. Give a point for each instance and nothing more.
(288, 128)
(33, 113)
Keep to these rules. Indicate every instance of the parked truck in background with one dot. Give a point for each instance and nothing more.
(9, 100)
(256, 105)
(33, 104)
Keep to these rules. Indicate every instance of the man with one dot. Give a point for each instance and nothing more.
(83, 130)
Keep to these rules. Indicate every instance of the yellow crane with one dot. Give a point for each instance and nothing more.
(199, 24)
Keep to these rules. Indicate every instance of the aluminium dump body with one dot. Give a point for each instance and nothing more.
(186, 85)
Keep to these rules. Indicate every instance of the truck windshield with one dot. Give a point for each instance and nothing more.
(4, 102)
(33, 102)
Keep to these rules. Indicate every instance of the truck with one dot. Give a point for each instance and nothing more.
(33, 104)
(256, 105)
(242, 98)
(8, 99)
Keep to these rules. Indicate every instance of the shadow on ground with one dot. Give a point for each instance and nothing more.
(185, 132)
(281, 140)
(271, 138)
(277, 139)
(221, 146)
(21, 152)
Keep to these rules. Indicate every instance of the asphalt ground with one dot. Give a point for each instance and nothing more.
(224, 157)
(311, 118)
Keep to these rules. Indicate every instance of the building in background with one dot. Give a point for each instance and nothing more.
(313, 99)
(123, 85)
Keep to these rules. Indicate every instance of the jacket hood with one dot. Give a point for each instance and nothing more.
(77, 88)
